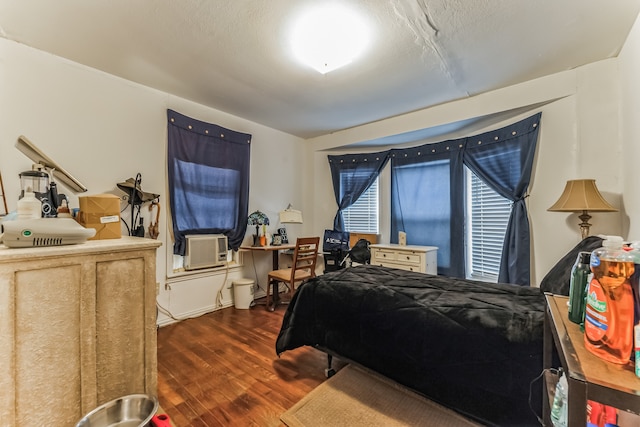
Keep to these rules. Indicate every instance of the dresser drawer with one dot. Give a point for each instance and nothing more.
(400, 266)
(406, 257)
(412, 258)
(383, 255)
(409, 258)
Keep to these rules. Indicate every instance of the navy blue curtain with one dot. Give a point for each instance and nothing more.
(503, 159)
(352, 175)
(428, 188)
(427, 200)
(208, 169)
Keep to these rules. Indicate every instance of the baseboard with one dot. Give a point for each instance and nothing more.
(177, 317)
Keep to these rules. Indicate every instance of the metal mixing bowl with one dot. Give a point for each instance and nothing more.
(134, 410)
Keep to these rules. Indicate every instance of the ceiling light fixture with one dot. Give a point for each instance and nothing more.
(328, 37)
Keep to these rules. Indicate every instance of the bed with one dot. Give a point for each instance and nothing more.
(472, 346)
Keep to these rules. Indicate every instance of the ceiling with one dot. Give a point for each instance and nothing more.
(234, 56)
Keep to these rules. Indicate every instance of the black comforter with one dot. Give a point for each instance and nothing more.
(472, 346)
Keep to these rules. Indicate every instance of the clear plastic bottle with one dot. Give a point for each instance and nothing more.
(559, 408)
(635, 287)
(609, 310)
(28, 206)
(636, 340)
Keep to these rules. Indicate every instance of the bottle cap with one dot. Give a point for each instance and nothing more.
(584, 257)
(613, 242)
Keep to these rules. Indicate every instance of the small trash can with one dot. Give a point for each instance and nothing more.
(243, 293)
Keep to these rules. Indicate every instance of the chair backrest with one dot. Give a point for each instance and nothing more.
(304, 257)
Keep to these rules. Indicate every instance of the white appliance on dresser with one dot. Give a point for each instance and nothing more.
(423, 259)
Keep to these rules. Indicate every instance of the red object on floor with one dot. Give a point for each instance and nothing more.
(161, 420)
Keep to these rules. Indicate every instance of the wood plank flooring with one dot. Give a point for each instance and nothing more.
(221, 369)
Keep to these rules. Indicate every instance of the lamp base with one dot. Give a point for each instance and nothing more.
(584, 225)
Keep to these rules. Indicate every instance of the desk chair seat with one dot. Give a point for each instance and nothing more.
(305, 256)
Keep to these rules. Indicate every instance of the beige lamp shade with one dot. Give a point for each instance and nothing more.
(582, 195)
(290, 216)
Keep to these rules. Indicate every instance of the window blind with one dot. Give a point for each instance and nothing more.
(488, 223)
(362, 216)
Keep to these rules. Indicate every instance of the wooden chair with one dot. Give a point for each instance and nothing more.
(305, 255)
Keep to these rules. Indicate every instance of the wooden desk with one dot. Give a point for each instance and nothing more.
(275, 250)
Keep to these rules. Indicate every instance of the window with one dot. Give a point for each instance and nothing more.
(208, 179)
(207, 198)
(487, 219)
(504, 157)
(362, 216)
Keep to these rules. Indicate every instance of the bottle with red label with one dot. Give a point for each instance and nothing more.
(609, 312)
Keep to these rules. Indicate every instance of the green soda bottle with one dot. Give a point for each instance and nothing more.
(578, 287)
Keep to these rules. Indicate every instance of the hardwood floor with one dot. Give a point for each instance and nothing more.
(221, 369)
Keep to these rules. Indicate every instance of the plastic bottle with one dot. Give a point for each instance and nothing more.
(559, 408)
(28, 206)
(635, 287)
(578, 287)
(636, 338)
(609, 310)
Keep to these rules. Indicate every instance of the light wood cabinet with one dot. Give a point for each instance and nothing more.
(423, 259)
(77, 328)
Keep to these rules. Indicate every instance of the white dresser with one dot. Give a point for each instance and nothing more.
(423, 259)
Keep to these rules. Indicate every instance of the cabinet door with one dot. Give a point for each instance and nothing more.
(120, 323)
(47, 346)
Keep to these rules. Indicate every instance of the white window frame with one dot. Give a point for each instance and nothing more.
(487, 216)
(364, 215)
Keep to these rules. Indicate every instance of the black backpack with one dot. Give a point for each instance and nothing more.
(360, 252)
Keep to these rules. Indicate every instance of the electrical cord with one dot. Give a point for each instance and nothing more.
(169, 314)
(533, 381)
(255, 273)
(217, 303)
(224, 283)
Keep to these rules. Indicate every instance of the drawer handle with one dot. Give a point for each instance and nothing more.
(384, 255)
(408, 258)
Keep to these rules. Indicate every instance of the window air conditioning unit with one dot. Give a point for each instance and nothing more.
(205, 251)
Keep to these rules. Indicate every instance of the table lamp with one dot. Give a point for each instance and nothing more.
(257, 218)
(582, 195)
(288, 216)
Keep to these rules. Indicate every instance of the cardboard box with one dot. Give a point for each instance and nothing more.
(354, 237)
(101, 212)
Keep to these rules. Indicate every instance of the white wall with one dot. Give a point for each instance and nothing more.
(104, 129)
(579, 138)
(629, 64)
